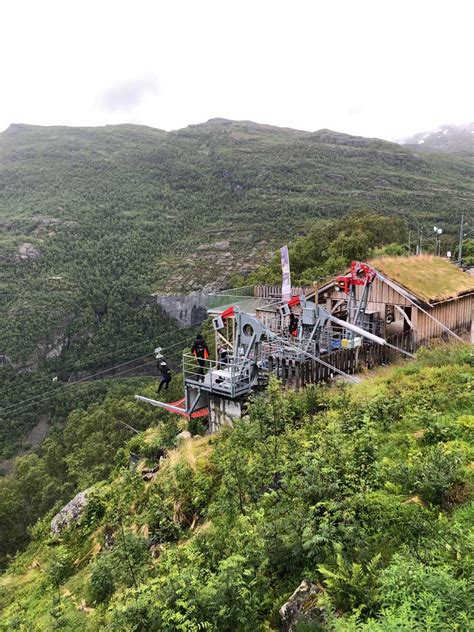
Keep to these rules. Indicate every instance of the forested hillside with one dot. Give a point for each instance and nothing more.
(363, 491)
(95, 219)
(109, 214)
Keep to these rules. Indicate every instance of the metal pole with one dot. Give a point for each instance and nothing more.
(461, 235)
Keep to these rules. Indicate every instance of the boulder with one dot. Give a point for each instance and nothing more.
(301, 606)
(183, 436)
(70, 512)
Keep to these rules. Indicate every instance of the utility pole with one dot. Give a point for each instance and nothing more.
(438, 232)
(461, 236)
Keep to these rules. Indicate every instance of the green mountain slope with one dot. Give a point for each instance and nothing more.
(362, 490)
(126, 210)
(95, 219)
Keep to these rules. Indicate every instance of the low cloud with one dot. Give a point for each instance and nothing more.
(127, 95)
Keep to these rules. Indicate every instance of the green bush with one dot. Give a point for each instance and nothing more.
(124, 565)
(430, 473)
(351, 585)
(60, 567)
(431, 596)
(102, 581)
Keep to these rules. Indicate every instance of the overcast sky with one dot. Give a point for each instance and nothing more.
(385, 68)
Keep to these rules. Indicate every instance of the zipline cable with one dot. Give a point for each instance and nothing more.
(40, 398)
(80, 364)
(50, 394)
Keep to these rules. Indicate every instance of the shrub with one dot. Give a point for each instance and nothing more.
(349, 584)
(430, 473)
(440, 431)
(102, 582)
(430, 596)
(125, 565)
(61, 566)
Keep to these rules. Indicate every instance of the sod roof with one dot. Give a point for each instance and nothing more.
(432, 279)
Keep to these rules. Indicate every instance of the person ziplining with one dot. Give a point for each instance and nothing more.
(165, 375)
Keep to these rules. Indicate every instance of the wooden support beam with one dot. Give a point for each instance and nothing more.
(404, 314)
(224, 339)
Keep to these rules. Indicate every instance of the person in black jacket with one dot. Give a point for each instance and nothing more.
(293, 326)
(201, 353)
(165, 375)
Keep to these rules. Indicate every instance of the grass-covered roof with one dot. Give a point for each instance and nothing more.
(430, 278)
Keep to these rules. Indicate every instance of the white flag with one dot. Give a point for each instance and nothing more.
(286, 278)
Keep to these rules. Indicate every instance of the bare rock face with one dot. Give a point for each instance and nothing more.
(70, 512)
(28, 251)
(301, 606)
(186, 309)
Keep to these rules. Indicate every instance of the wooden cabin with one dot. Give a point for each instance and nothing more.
(410, 294)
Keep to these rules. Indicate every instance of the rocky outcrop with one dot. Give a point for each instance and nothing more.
(28, 251)
(301, 606)
(70, 513)
(186, 309)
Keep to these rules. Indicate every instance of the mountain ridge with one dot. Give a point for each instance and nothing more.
(448, 139)
(213, 123)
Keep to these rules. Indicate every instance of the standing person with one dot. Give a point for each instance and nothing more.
(223, 357)
(165, 375)
(201, 353)
(293, 326)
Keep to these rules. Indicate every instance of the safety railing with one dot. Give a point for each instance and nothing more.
(292, 348)
(233, 377)
(230, 296)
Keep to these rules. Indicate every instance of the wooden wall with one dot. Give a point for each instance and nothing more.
(455, 314)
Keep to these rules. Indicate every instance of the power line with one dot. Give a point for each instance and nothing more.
(14, 408)
(80, 364)
(41, 397)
